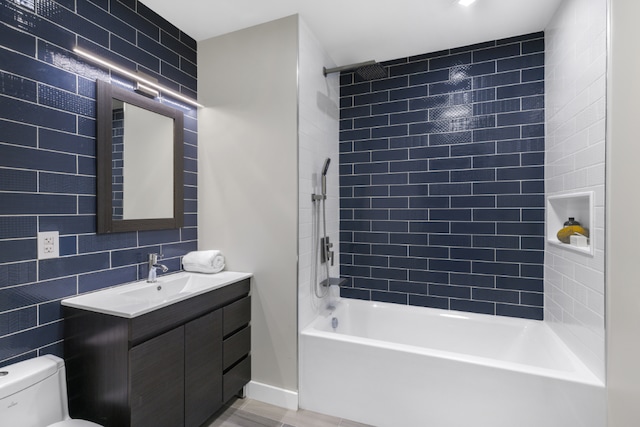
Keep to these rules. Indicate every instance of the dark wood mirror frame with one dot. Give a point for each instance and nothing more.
(105, 93)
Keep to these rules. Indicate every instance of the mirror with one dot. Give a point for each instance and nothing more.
(139, 162)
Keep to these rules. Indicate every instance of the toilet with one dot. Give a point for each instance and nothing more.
(33, 393)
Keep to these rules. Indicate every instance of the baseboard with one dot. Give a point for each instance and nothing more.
(272, 395)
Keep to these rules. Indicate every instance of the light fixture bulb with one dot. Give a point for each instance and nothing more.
(146, 90)
(466, 2)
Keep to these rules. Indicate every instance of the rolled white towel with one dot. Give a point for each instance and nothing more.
(210, 261)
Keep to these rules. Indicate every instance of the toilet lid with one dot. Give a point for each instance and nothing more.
(74, 423)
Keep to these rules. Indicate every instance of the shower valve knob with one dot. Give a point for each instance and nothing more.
(326, 253)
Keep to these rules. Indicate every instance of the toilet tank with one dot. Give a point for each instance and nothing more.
(30, 393)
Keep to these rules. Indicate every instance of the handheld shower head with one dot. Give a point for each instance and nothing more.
(325, 168)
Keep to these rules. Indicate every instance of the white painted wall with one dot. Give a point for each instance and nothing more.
(248, 180)
(319, 113)
(575, 104)
(623, 205)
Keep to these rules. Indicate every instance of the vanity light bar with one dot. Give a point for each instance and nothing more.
(135, 76)
(466, 2)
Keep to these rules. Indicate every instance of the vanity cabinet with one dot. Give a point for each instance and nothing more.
(174, 367)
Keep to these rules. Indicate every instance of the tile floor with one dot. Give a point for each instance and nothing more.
(251, 413)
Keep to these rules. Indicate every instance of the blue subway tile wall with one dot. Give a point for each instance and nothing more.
(442, 180)
(48, 163)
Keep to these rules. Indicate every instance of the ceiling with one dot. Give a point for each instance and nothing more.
(359, 30)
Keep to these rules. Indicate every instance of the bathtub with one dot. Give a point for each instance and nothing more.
(389, 365)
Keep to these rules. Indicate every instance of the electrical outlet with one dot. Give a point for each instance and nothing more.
(48, 244)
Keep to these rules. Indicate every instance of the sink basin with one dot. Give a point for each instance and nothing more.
(137, 298)
(165, 290)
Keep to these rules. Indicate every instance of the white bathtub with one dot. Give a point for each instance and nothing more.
(397, 366)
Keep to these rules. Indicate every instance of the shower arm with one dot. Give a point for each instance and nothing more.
(351, 67)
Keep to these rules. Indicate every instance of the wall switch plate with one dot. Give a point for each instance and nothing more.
(48, 244)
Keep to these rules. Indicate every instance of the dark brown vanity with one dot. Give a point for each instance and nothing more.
(174, 366)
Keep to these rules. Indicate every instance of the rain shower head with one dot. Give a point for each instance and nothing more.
(325, 168)
(370, 70)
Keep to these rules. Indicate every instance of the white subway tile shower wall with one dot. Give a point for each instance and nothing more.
(575, 76)
(318, 139)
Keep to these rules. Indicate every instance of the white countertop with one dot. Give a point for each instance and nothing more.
(138, 298)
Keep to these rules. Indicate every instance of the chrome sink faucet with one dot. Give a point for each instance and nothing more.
(154, 266)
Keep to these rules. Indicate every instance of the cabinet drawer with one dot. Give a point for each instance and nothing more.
(236, 378)
(236, 315)
(236, 347)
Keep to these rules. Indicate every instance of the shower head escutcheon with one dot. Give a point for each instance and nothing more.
(370, 70)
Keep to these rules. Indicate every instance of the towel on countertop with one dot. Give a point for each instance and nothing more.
(203, 261)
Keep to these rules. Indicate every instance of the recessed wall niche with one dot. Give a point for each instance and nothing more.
(576, 205)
